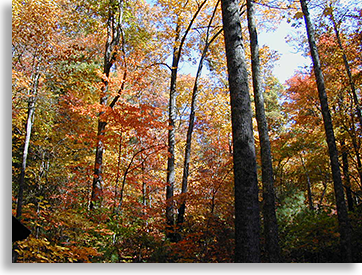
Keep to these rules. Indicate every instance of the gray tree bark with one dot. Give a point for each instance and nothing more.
(28, 128)
(344, 223)
(195, 91)
(113, 39)
(270, 219)
(247, 220)
(346, 65)
(170, 181)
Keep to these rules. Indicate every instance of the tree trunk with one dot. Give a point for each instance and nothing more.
(170, 181)
(347, 180)
(344, 224)
(247, 221)
(270, 219)
(347, 67)
(113, 39)
(182, 208)
(28, 129)
(309, 185)
(118, 172)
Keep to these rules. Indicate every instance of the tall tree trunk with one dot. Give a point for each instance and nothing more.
(113, 39)
(270, 219)
(346, 65)
(195, 91)
(247, 221)
(344, 224)
(28, 128)
(118, 172)
(309, 185)
(170, 181)
(347, 180)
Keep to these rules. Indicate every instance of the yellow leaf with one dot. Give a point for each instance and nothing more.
(298, 15)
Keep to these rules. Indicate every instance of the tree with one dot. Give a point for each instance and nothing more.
(32, 50)
(114, 33)
(270, 220)
(180, 38)
(344, 224)
(330, 12)
(195, 91)
(247, 223)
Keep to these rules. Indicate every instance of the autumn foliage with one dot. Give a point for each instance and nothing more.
(58, 61)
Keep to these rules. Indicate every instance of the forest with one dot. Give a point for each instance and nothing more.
(154, 131)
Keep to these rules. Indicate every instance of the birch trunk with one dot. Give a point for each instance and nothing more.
(28, 129)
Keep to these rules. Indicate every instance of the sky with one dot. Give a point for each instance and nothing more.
(290, 60)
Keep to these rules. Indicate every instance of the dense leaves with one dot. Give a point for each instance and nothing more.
(60, 86)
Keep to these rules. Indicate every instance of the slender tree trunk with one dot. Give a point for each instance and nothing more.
(247, 221)
(347, 180)
(347, 67)
(195, 91)
(353, 134)
(110, 54)
(309, 185)
(118, 172)
(97, 184)
(144, 186)
(28, 129)
(270, 219)
(344, 224)
(170, 181)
